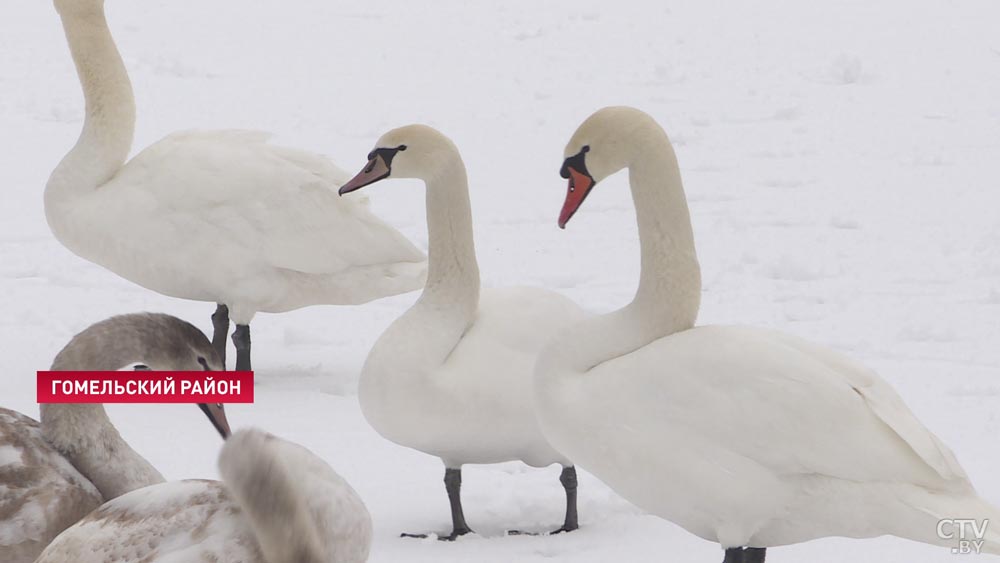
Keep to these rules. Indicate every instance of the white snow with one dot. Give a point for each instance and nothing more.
(842, 160)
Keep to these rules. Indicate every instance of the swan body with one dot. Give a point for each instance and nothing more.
(743, 436)
(229, 218)
(277, 503)
(473, 405)
(219, 216)
(41, 493)
(452, 377)
(55, 472)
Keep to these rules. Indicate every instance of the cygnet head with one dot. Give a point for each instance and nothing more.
(413, 151)
(157, 341)
(148, 342)
(606, 142)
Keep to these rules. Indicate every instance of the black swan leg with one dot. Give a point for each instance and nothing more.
(452, 484)
(220, 330)
(745, 555)
(734, 555)
(241, 338)
(568, 480)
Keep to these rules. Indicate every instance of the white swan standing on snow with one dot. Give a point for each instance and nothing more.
(218, 216)
(277, 503)
(742, 436)
(53, 474)
(452, 376)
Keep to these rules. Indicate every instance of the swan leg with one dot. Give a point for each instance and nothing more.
(734, 555)
(220, 329)
(453, 484)
(241, 338)
(745, 555)
(568, 480)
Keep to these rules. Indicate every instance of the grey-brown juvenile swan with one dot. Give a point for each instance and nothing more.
(54, 473)
(277, 503)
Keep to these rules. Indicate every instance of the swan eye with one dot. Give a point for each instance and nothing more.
(204, 363)
(585, 149)
(401, 148)
(140, 367)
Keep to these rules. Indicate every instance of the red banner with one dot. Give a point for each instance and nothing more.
(145, 386)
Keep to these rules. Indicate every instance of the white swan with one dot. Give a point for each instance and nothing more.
(277, 503)
(742, 436)
(53, 474)
(218, 216)
(452, 376)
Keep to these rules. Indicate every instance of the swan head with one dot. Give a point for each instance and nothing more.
(155, 341)
(147, 342)
(413, 151)
(180, 346)
(603, 144)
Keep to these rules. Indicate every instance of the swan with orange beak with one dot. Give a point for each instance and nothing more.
(743, 436)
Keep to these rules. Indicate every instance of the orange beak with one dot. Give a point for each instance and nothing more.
(580, 185)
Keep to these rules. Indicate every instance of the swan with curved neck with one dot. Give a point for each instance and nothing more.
(746, 437)
(452, 376)
(63, 468)
(277, 503)
(218, 216)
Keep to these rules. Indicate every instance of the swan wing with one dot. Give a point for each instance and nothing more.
(789, 407)
(279, 203)
(885, 403)
(165, 523)
(41, 493)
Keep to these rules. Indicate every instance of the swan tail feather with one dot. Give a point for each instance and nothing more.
(963, 522)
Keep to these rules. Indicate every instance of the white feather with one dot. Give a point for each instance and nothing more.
(742, 436)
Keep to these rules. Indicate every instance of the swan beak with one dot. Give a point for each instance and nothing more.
(580, 184)
(376, 169)
(216, 414)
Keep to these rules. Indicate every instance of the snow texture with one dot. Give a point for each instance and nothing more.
(842, 160)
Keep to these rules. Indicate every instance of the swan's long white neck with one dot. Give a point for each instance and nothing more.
(84, 434)
(453, 273)
(109, 124)
(669, 293)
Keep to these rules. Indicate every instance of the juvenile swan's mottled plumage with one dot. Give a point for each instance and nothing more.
(54, 473)
(219, 216)
(277, 503)
(452, 376)
(743, 436)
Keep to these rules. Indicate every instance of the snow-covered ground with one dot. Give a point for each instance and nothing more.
(842, 160)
